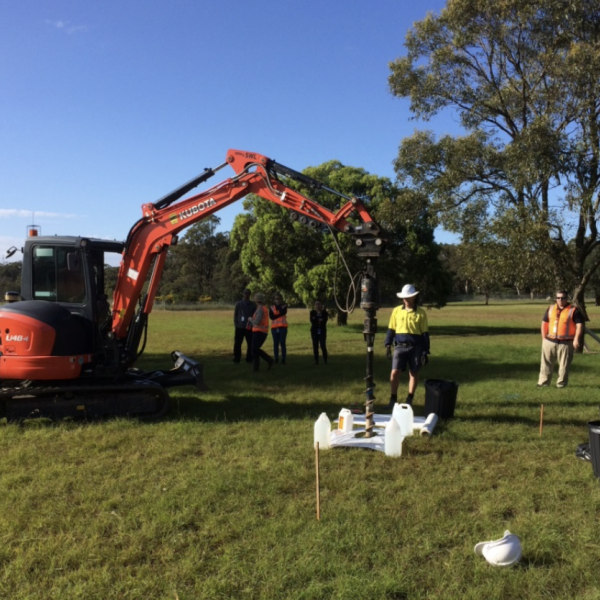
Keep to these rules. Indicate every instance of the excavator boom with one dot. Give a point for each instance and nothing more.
(149, 240)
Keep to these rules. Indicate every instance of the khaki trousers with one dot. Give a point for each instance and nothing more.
(552, 353)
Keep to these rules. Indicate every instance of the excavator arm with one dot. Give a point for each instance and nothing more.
(148, 241)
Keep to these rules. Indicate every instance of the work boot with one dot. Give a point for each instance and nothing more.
(392, 402)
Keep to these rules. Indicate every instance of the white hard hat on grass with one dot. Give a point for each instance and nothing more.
(503, 552)
(408, 291)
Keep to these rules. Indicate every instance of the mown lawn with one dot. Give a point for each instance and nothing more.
(218, 499)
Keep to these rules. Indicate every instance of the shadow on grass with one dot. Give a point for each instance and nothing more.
(460, 330)
(503, 419)
(250, 408)
(237, 408)
(555, 402)
(541, 561)
(238, 394)
(221, 375)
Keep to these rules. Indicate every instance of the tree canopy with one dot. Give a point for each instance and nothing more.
(304, 263)
(192, 264)
(522, 76)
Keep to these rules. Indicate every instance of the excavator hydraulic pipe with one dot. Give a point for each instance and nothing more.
(186, 187)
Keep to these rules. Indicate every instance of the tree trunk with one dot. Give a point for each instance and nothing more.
(342, 318)
(579, 300)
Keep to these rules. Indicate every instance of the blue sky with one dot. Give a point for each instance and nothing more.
(108, 105)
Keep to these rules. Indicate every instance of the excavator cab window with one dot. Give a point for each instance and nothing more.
(57, 275)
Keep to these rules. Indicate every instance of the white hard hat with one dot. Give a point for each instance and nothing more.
(408, 291)
(501, 553)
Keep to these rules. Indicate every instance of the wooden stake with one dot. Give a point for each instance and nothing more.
(541, 418)
(318, 485)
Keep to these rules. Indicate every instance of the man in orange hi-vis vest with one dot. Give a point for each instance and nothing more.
(562, 333)
(260, 330)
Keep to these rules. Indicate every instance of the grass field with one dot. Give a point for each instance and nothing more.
(218, 499)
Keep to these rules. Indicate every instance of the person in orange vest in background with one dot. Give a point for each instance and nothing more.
(562, 333)
(279, 327)
(259, 323)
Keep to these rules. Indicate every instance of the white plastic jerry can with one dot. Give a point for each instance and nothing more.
(323, 432)
(403, 414)
(393, 438)
(345, 421)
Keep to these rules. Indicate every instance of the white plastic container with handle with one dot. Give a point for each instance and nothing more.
(345, 421)
(323, 432)
(403, 413)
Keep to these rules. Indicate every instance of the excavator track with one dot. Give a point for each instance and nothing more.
(137, 399)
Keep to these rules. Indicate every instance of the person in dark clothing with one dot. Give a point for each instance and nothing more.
(243, 311)
(318, 331)
(279, 327)
(260, 330)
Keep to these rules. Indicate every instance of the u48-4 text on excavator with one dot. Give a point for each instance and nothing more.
(66, 351)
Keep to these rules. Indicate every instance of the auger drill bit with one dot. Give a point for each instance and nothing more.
(369, 301)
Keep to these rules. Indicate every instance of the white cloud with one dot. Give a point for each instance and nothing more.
(67, 28)
(18, 213)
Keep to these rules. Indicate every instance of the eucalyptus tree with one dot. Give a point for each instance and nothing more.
(10, 277)
(192, 263)
(522, 77)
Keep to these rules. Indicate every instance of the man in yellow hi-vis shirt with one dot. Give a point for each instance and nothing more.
(409, 332)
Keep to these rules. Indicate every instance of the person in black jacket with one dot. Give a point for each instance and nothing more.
(243, 311)
(318, 331)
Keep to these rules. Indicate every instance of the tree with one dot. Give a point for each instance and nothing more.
(191, 264)
(10, 277)
(522, 75)
(451, 259)
(594, 282)
(304, 263)
(230, 279)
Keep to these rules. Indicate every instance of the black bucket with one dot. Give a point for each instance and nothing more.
(594, 431)
(440, 397)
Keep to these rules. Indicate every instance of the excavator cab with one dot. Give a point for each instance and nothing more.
(70, 272)
(57, 328)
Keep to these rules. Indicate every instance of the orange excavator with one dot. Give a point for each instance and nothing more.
(66, 351)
